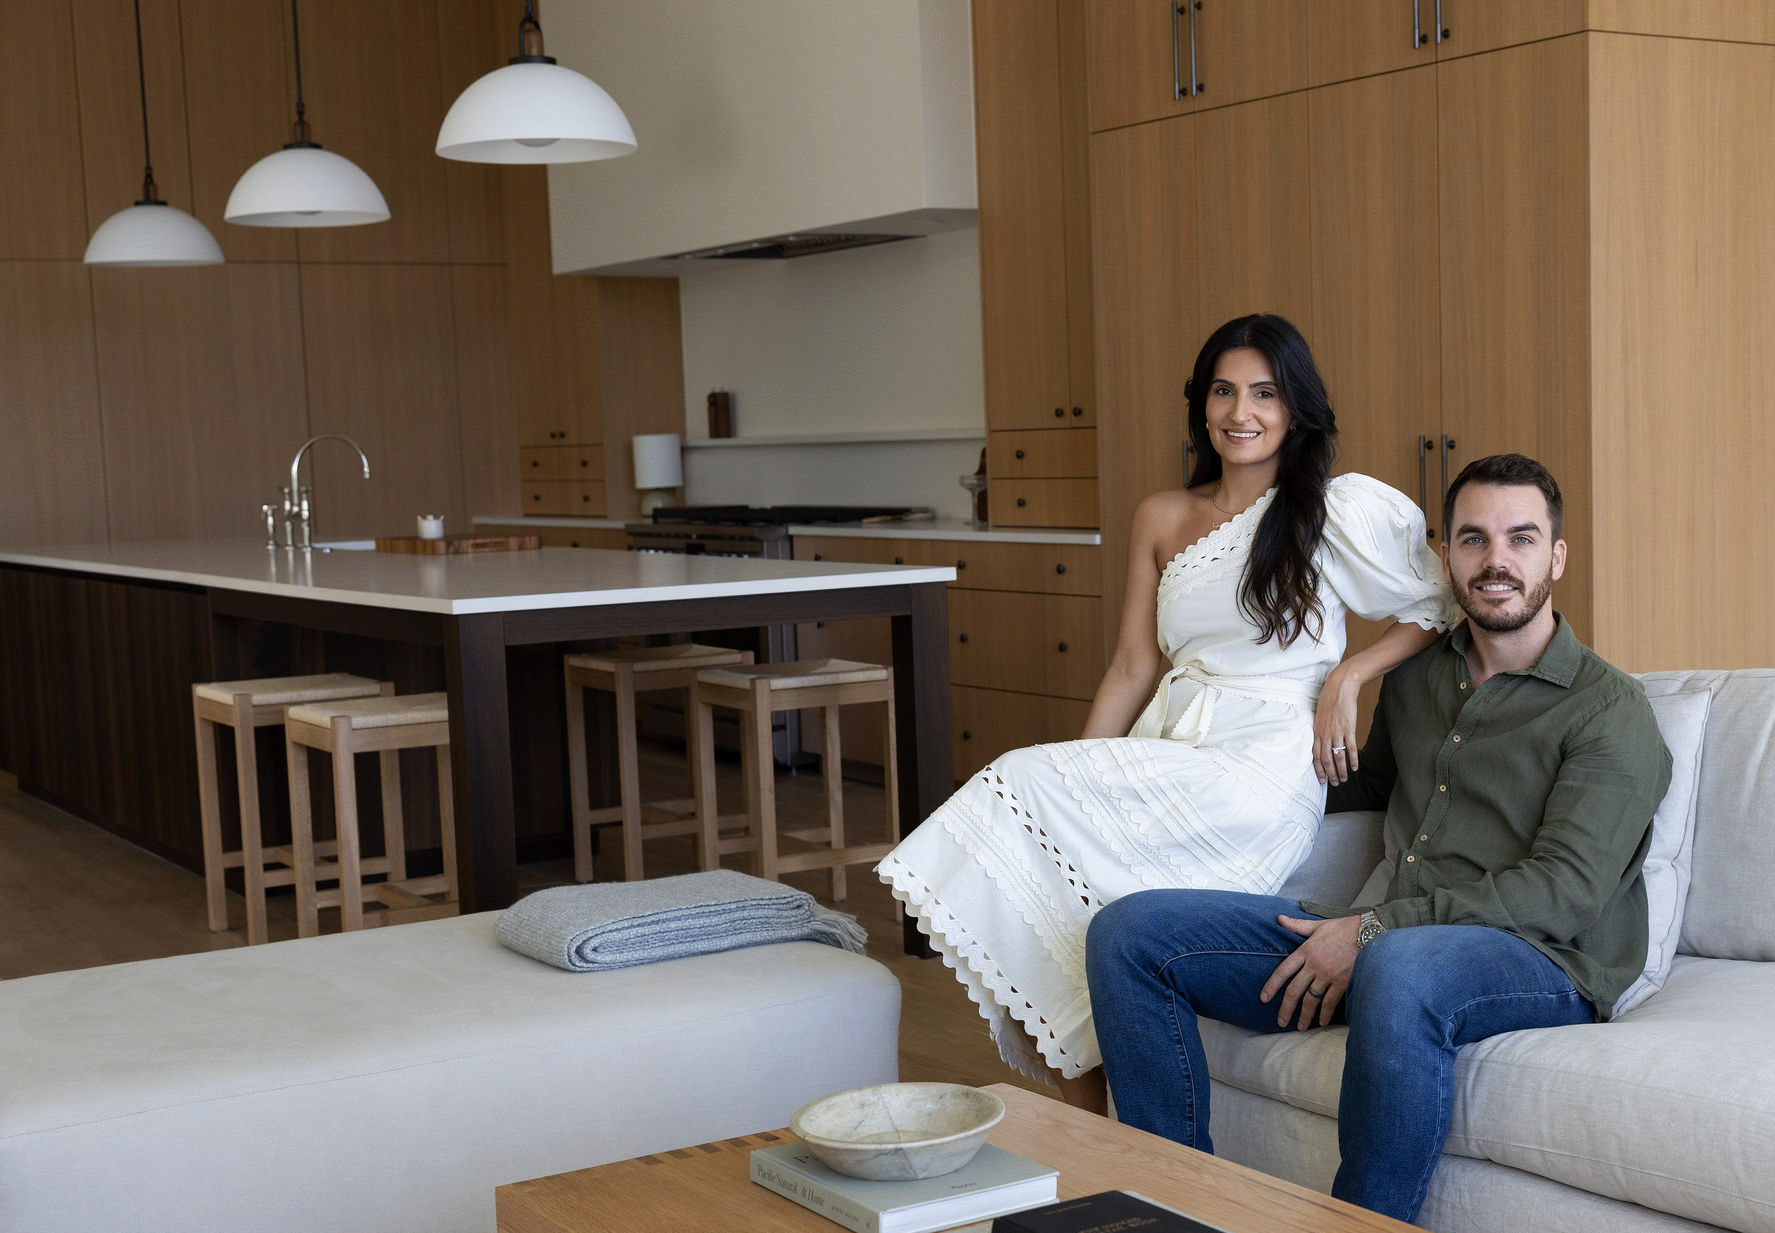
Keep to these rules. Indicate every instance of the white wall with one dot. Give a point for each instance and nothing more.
(882, 339)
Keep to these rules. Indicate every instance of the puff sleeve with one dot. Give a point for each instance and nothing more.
(1376, 558)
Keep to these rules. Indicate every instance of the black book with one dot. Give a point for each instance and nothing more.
(1114, 1210)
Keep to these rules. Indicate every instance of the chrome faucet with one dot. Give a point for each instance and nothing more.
(298, 498)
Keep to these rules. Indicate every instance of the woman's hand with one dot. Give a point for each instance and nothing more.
(1334, 726)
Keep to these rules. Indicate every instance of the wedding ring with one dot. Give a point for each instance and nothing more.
(1339, 748)
(1318, 993)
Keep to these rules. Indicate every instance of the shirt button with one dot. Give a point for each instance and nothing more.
(1423, 839)
(1457, 738)
(1463, 684)
(1410, 859)
(1442, 787)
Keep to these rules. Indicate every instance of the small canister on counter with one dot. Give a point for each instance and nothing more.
(720, 413)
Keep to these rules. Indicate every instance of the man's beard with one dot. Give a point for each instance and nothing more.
(1505, 621)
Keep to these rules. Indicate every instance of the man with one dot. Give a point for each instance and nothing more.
(1519, 773)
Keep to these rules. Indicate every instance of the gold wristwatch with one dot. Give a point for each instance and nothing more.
(1370, 927)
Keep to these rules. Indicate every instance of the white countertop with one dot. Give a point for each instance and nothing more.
(463, 583)
(927, 528)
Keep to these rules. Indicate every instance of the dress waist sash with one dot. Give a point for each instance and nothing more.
(1188, 715)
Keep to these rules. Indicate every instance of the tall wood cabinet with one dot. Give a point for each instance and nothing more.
(1035, 273)
(1506, 240)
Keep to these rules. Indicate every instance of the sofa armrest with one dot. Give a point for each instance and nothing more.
(1344, 854)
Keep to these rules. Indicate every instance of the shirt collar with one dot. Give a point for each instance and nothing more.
(1557, 665)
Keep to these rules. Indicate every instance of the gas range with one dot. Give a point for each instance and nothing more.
(742, 530)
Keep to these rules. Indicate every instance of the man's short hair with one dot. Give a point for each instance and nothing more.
(1506, 471)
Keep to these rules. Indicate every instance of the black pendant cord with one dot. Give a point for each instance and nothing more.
(530, 38)
(149, 194)
(301, 134)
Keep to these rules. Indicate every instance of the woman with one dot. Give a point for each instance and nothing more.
(1216, 777)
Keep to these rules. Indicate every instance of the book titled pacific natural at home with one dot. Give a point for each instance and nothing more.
(992, 1183)
(1112, 1211)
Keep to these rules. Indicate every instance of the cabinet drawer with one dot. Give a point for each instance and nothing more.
(1044, 503)
(1058, 569)
(987, 722)
(583, 462)
(547, 497)
(548, 462)
(1038, 644)
(579, 537)
(1055, 452)
(585, 497)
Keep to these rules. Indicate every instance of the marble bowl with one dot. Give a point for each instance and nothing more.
(898, 1131)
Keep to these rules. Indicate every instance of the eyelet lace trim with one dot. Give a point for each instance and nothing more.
(1217, 552)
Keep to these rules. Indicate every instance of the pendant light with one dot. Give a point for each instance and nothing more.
(303, 185)
(150, 232)
(534, 111)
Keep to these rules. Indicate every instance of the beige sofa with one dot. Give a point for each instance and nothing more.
(391, 1079)
(1661, 1120)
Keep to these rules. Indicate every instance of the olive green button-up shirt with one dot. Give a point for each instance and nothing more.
(1525, 804)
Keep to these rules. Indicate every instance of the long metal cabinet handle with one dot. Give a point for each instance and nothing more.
(1424, 448)
(1417, 28)
(1441, 31)
(1195, 84)
(1448, 445)
(1176, 62)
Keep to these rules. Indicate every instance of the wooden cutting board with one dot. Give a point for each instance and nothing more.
(450, 544)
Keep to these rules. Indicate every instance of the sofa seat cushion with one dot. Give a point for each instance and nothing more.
(1671, 1106)
(392, 1078)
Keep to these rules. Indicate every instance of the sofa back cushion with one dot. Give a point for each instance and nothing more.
(1730, 912)
(1682, 720)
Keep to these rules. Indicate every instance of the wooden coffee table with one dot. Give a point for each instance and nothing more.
(709, 1187)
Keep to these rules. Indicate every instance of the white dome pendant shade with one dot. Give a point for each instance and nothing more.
(534, 111)
(303, 185)
(150, 232)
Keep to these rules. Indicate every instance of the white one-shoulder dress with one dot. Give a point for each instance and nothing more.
(1213, 786)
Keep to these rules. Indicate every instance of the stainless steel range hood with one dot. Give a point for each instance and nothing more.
(768, 130)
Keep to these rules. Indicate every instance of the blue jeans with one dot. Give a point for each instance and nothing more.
(1158, 959)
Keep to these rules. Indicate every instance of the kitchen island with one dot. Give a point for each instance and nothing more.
(94, 641)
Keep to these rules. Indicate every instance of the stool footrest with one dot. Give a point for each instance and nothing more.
(826, 858)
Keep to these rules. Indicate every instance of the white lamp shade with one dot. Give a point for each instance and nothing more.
(148, 235)
(658, 463)
(534, 113)
(305, 186)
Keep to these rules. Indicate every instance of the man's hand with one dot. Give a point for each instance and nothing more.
(1314, 977)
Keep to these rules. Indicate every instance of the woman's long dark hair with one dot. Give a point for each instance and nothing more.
(1280, 590)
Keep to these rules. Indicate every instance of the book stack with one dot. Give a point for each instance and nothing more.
(993, 1183)
(1122, 1211)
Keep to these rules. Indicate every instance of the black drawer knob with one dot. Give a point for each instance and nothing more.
(1063, 646)
(966, 735)
(1021, 502)
(899, 560)
(961, 565)
(585, 496)
(536, 462)
(1059, 413)
(818, 557)
(585, 462)
(961, 637)
(1019, 453)
(537, 496)
(1077, 411)
(1060, 569)
(573, 543)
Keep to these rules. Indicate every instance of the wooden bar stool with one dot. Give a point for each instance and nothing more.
(247, 706)
(625, 672)
(381, 725)
(756, 692)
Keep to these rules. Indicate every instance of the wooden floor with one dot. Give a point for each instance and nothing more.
(74, 896)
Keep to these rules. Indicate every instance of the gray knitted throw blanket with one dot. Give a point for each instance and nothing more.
(608, 925)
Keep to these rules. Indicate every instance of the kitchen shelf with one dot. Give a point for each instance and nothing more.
(840, 438)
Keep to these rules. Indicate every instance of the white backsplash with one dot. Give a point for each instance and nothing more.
(896, 473)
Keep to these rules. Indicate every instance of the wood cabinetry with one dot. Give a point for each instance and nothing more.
(1496, 254)
(1035, 275)
(1153, 59)
(1025, 644)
